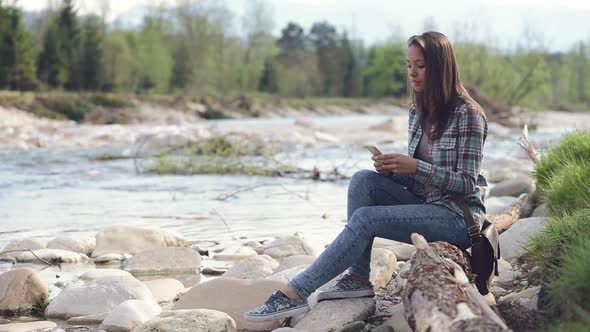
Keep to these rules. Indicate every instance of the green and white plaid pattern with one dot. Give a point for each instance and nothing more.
(456, 156)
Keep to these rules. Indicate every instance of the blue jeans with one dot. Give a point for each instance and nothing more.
(378, 206)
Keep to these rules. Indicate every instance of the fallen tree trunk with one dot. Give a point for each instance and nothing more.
(522, 208)
(439, 296)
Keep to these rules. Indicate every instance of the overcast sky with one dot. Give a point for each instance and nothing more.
(556, 24)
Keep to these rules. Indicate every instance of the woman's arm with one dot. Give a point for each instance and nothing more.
(472, 127)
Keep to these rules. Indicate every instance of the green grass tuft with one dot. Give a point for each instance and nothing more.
(574, 147)
(569, 188)
(571, 288)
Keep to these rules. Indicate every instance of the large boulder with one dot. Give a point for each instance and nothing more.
(190, 321)
(20, 290)
(288, 246)
(234, 297)
(497, 205)
(171, 260)
(81, 244)
(128, 315)
(513, 241)
(257, 267)
(106, 293)
(133, 240)
(51, 255)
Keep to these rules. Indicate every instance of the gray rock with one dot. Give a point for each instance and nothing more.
(518, 236)
(28, 327)
(527, 298)
(238, 296)
(165, 290)
(22, 244)
(235, 254)
(88, 319)
(99, 273)
(160, 261)
(190, 321)
(288, 274)
(382, 328)
(293, 261)
(133, 240)
(514, 187)
(352, 327)
(397, 321)
(497, 205)
(288, 246)
(103, 259)
(257, 267)
(106, 293)
(49, 255)
(341, 313)
(128, 315)
(540, 211)
(81, 244)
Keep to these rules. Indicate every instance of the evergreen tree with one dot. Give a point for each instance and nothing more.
(324, 39)
(91, 58)
(182, 69)
(52, 61)
(270, 77)
(17, 52)
(69, 34)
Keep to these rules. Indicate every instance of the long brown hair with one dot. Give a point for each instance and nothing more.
(444, 88)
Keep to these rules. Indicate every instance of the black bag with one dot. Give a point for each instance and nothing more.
(484, 247)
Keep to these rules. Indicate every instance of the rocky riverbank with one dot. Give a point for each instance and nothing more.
(136, 279)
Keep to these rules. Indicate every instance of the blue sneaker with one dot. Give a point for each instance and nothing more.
(348, 288)
(278, 306)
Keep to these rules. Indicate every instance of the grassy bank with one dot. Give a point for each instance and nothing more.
(561, 252)
(78, 106)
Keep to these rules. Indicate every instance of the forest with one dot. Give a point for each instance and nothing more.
(192, 49)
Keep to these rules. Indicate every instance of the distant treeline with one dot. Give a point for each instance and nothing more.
(191, 49)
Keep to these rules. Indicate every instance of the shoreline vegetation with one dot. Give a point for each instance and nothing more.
(557, 258)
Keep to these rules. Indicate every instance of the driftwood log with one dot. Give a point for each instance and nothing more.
(522, 208)
(439, 295)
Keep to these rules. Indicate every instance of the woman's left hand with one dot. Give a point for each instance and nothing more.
(396, 163)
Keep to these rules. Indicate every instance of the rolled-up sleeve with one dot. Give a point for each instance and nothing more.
(472, 131)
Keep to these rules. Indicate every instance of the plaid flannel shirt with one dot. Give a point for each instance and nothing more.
(456, 157)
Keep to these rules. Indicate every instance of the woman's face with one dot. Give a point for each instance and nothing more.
(416, 65)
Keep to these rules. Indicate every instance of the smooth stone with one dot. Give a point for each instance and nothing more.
(528, 298)
(235, 254)
(403, 251)
(287, 274)
(497, 291)
(99, 273)
(238, 296)
(540, 211)
(165, 290)
(506, 278)
(23, 244)
(497, 205)
(293, 261)
(503, 265)
(28, 327)
(128, 315)
(288, 246)
(88, 319)
(21, 289)
(287, 329)
(352, 327)
(133, 240)
(514, 187)
(383, 265)
(397, 321)
(84, 245)
(514, 240)
(340, 313)
(106, 293)
(62, 256)
(257, 267)
(109, 258)
(189, 321)
(169, 260)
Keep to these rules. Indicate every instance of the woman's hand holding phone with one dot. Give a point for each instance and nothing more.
(392, 163)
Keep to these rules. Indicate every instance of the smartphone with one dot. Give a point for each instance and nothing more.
(373, 150)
